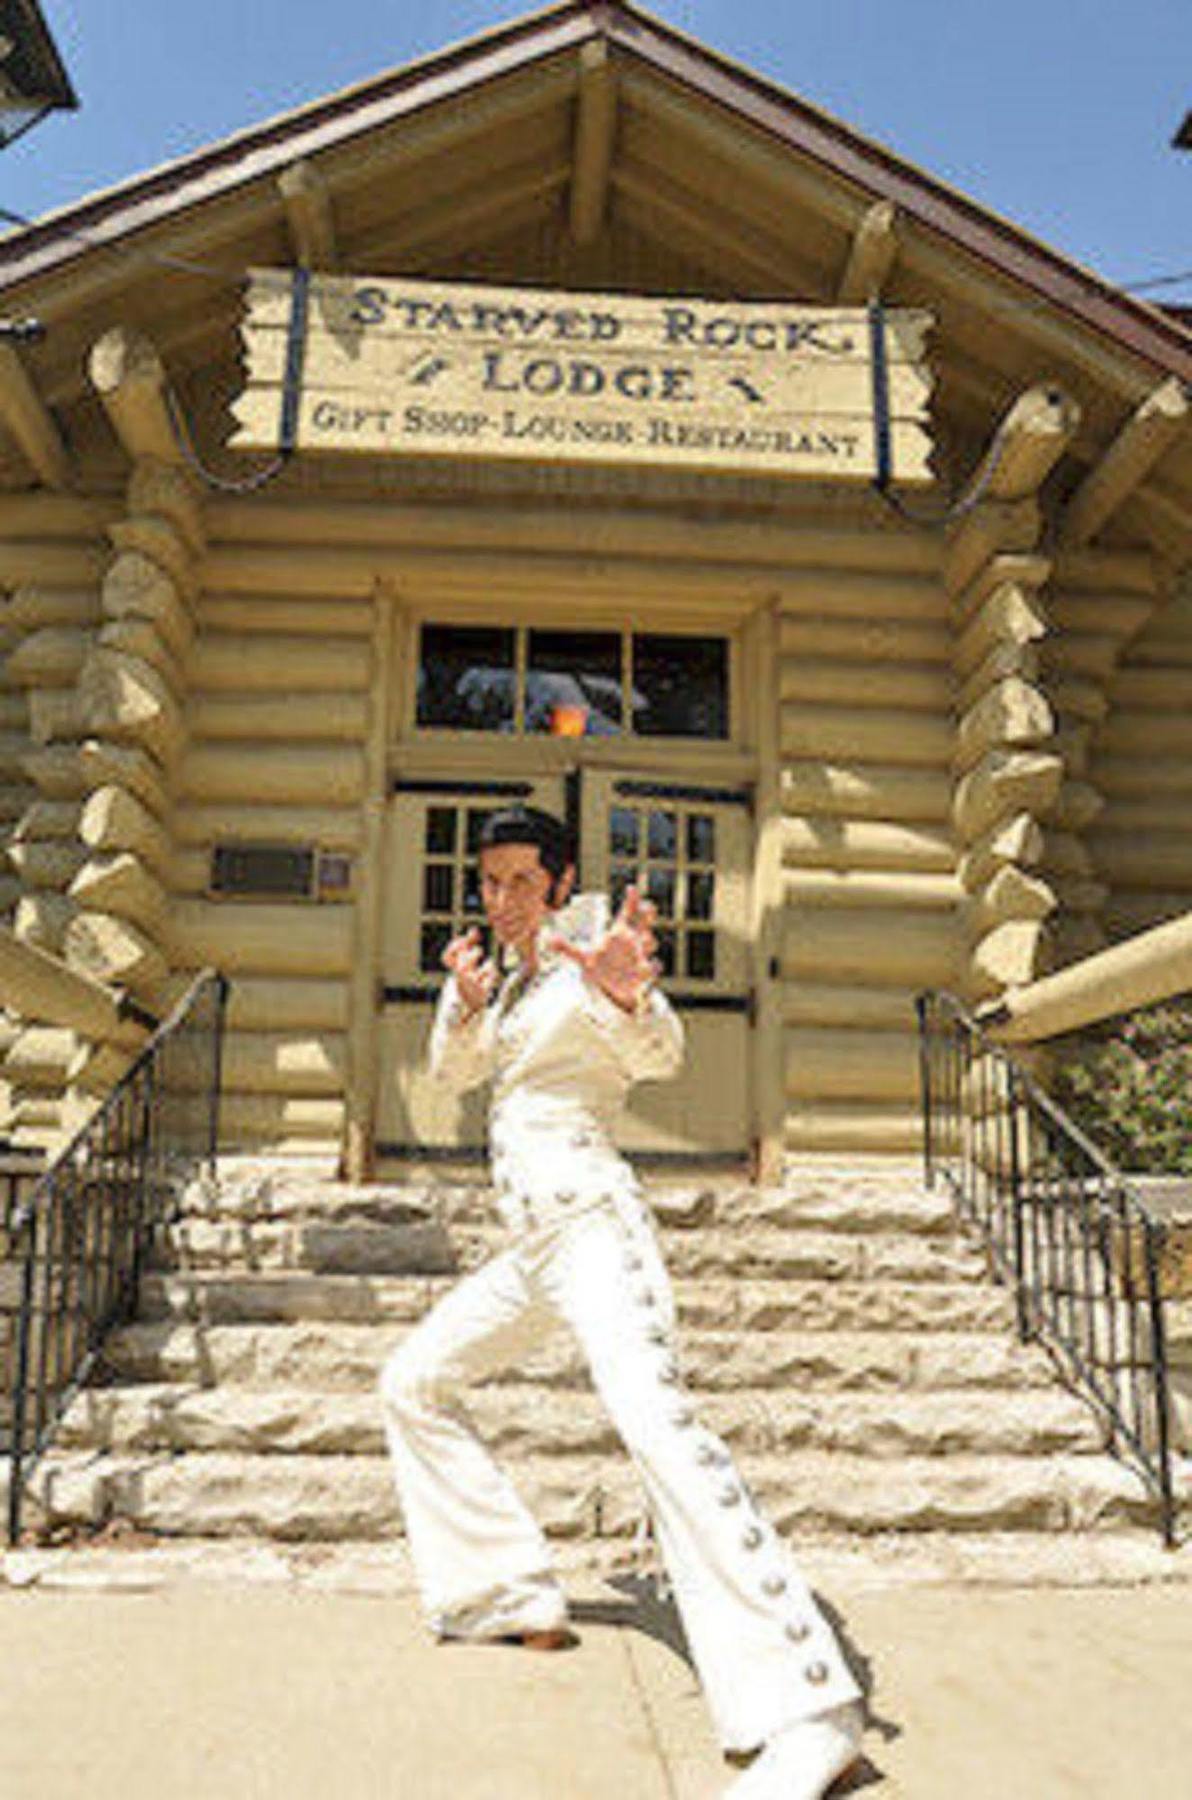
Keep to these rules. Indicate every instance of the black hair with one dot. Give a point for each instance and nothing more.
(553, 839)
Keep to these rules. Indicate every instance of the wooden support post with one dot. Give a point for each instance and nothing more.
(769, 909)
(595, 128)
(127, 374)
(1149, 431)
(362, 1038)
(872, 256)
(27, 417)
(1153, 966)
(309, 216)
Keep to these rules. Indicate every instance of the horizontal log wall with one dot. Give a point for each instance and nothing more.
(871, 893)
(276, 719)
(1141, 764)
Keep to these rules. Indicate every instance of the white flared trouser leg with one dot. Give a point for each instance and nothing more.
(482, 1563)
(765, 1654)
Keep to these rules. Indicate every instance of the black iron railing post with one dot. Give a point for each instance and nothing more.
(1154, 1236)
(926, 1087)
(1017, 1206)
(1060, 1222)
(84, 1231)
(20, 1388)
(217, 1050)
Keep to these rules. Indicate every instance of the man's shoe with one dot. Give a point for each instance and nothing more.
(561, 1638)
(803, 1761)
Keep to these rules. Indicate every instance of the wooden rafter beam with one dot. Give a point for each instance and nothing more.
(469, 217)
(709, 234)
(595, 130)
(127, 374)
(1027, 444)
(28, 420)
(309, 216)
(1149, 431)
(872, 256)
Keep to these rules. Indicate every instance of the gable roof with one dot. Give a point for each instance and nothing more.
(812, 133)
(737, 175)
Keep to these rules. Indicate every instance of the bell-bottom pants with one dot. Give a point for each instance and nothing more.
(764, 1652)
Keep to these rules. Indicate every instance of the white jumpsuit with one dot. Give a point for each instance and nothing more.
(561, 1057)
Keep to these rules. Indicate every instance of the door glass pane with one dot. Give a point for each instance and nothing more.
(701, 955)
(621, 876)
(699, 895)
(433, 940)
(438, 888)
(440, 831)
(680, 686)
(466, 678)
(476, 817)
(573, 683)
(663, 837)
(701, 838)
(660, 887)
(622, 832)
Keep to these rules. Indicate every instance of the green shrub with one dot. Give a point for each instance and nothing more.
(1128, 1084)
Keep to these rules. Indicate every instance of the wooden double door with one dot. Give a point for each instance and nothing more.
(689, 846)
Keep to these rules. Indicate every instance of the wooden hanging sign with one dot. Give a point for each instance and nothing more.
(345, 363)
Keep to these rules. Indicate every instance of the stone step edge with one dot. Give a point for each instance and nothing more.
(1055, 1419)
(136, 1562)
(793, 1470)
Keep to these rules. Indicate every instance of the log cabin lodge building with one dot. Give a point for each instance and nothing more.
(857, 742)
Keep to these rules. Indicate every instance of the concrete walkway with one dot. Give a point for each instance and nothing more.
(262, 1690)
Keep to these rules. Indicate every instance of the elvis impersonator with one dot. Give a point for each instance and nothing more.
(561, 1038)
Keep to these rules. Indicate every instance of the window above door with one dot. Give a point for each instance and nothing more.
(528, 681)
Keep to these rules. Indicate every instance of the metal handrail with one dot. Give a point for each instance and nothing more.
(1061, 1225)
(76, 1247)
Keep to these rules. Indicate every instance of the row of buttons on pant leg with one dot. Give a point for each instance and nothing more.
(710, 1454)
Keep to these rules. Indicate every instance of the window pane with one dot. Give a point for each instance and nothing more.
(663, 836)
(680, 686)
(622, 832)
(660, 887)
(666, 951)
(438, 888)
(573, 683)
(476, 817)
(701, 955)
(699, 896)
(471, 887)
(440, 831)
(619, 879)
(432, 943)
(701, 838)
(466, 678)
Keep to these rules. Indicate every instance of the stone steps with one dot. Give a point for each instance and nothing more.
(838, 1332)
(824, 1198)
(756, 1305)
(339, 1357)
(330, 1497)
(521, 1420)
(350, 1247)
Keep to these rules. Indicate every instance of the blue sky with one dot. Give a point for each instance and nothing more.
(1058, 114)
